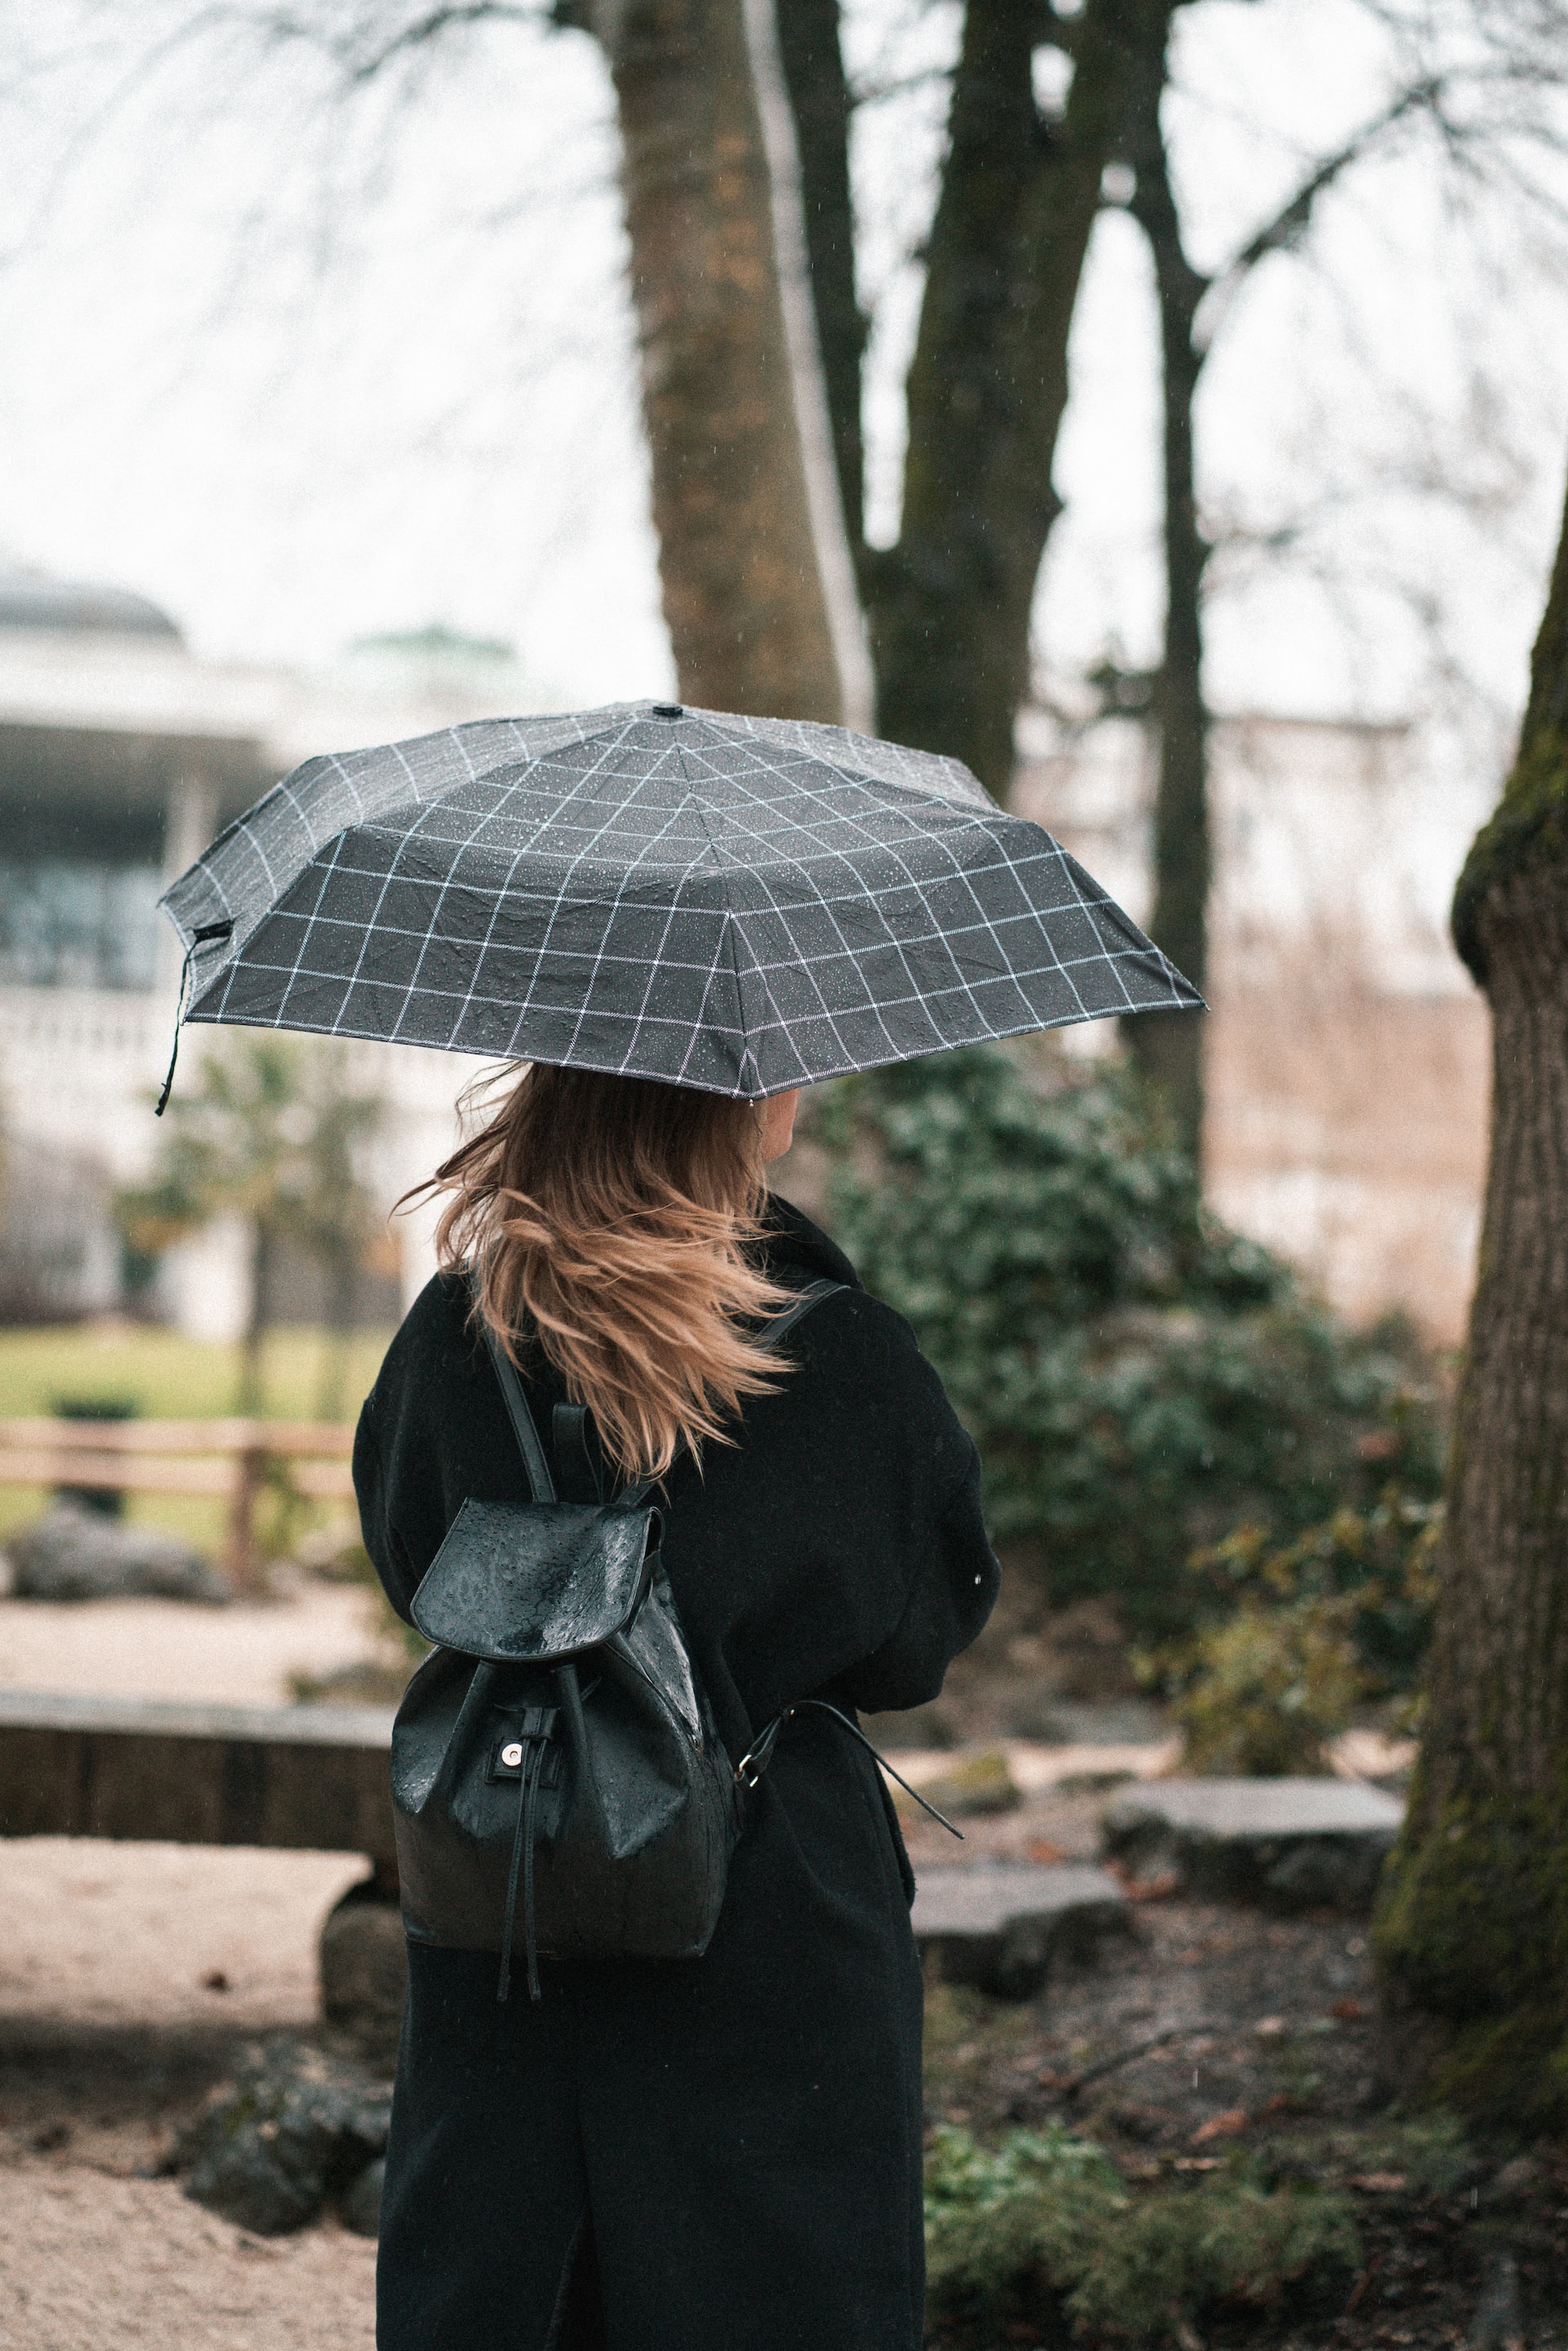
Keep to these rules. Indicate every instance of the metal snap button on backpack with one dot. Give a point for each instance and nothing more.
(512, 1755)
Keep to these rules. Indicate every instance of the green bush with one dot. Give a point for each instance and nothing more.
(1138, 1378)
(1044, 2229)
(1266, 1691)
(1340, 1614)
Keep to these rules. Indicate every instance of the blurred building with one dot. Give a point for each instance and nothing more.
(1347, 1049)
(121, 754)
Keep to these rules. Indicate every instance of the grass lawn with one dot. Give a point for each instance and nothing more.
(166, 1376)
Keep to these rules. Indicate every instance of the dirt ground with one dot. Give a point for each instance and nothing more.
(1206, 2034)
(130, 1977)
(239, 1655)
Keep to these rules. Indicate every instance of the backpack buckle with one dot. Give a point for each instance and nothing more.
(535, 1726)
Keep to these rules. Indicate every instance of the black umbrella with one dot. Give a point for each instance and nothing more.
(741, 904)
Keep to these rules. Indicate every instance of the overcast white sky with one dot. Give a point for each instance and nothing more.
(305, 370)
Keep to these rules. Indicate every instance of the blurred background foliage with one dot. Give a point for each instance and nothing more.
(1298, 1635)
(1143, 1384)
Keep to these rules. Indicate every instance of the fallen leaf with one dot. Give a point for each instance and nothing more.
(1280, 2103)
(1225, 2125)
(1041, 1849)
(1378, 2183)
(1158, 1888)
(1347, 2010)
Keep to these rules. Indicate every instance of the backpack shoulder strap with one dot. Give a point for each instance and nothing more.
(541, 1485)
(525, 1429)
(812, 1295)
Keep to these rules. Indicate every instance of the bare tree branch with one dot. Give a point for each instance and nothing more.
(1287, 226)
(362, 51)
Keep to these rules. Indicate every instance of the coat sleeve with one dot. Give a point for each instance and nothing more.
(388, 1556)
(953, 1585)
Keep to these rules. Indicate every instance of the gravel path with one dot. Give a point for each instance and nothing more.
(239, 1655)
(90, 2262)
(129, 1976)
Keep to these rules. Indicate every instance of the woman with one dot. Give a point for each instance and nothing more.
(720, 2154)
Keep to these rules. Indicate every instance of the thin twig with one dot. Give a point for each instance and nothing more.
(1078, 2081)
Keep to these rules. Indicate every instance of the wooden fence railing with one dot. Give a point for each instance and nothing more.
(228, 1459)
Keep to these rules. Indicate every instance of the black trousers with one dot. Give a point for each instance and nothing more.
(711, 2155)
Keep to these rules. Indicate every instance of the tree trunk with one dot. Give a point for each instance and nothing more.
(1471, 1935)
(820, 98)
(1168, 1047)
(950, 604)
(742, 589)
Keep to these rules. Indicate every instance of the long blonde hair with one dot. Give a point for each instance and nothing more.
(614, 1215)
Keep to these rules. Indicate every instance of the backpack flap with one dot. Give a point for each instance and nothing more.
(536, 1583)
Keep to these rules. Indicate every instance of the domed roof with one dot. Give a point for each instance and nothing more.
(33, 600)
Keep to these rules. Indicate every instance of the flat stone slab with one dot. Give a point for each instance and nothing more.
(305, 1777)
(1295, 1843)
(1000, 1930)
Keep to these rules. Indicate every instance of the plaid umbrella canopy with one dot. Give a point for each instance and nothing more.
(741, 905)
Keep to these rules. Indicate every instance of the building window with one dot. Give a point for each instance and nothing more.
(69, 923)
(79, 892)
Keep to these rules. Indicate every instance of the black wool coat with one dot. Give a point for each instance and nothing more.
(722, 2152)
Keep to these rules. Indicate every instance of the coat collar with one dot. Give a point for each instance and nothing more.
(792, 1242)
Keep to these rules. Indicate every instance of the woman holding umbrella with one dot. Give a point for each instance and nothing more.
(676, 919)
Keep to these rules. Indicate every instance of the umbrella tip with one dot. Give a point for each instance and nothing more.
(668, 710)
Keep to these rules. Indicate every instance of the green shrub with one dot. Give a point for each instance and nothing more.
(1044, 2228)
(1372, 1569)
(1340, 1614)
(1265, 1690)
(1138, 1378)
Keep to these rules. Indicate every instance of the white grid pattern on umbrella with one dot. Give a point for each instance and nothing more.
(739, 905)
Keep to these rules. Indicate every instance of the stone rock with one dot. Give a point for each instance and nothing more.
(1001, 1928)
(295, 2128)
(71, 1553)
(362, 2207)
(1294, 1845)
(363, 1960)
(84, 1763)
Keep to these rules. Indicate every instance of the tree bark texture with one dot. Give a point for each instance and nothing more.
(742, 594)
(1168, 1047)
(820, 100)
(1473, 1929)
(950, 604)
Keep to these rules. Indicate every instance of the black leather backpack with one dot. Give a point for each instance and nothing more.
(558, 1735)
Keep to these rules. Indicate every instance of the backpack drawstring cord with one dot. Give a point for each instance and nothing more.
(535, 1744)
(757, 1757)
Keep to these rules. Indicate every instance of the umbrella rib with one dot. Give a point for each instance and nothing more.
(455, 1027)
(780, 1022)
(335, 840)
(670, 913)
(728, 933)
(888, 849)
